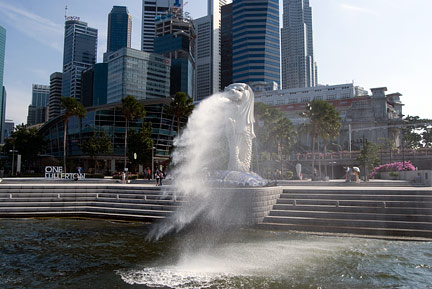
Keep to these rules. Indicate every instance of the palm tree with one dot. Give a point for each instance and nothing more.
(72, 108)
(324, 122)
(131, 109)
(181, 107)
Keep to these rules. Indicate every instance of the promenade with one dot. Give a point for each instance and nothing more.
(377, 209)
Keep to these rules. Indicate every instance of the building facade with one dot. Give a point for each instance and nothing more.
(2, 89)
(119, 28)
(256, 48)
(80, 50)
(150, 10)
(208, 50)
(174, 39)
(376, 117)
(94, 85)
(226, 46)
(299, 68)
(54, 105)
(38, 110)
(110, 119)
(139, 74)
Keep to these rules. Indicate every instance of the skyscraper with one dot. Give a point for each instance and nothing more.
(139, 74)
(208, 49)
(55, 94)
(299, 68)
(150, 10)
(175, 39)
(119, 28)
(226, 46)
(256, 49)
(80, 49)
(2, 89)
(38, 108)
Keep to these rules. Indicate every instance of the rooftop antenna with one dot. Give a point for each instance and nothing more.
(66, 12)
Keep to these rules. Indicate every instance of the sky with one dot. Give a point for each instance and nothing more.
(375, 43)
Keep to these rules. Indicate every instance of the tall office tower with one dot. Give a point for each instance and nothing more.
(38, 108)
(299, 68)
(94, 85)
(119, 28)
(137, 73)
(2, 89)
(226, 46)
(256, 49)
(175, 40)
(4, 133)
(208, 50)
(80, 50)
(55, 95)
(150, 10)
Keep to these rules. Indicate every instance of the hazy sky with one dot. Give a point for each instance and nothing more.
(374, 43)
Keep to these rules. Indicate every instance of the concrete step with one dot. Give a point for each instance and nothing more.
(358, 197)
(85, 214)
(352, 209)
(357, 192)
(365, 231)
(377, 224)
(114, 203)
(351, 215)
(356, 203)
(84, 208)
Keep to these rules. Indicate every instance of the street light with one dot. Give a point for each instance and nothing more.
(152, 170)
(13, 151)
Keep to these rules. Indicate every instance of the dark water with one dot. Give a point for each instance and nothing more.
(66, 253)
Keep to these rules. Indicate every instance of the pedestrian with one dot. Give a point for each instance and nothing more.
(123, 178)
(315, 174)
(348, 175)
(157, 176)
(149, 173)
(161, 177)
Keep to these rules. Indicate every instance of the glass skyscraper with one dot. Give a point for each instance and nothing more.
(38, 108)
(139, 74)
(255, 34)
(298, 65)
(80, 49)
(119, 29)
(2, 89)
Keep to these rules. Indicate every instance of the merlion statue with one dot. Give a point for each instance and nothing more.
(240, 126)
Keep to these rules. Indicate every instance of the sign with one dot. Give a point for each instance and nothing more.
(56, 173)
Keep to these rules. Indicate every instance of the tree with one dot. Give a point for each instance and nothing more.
(131, 109)
(141, 143)
(98, 143)
(369, 157)
(274, 130)
(27, 141)
(324, 122)
(72, 108)
(180, 107)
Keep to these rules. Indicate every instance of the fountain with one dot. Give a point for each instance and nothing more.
(211, 166)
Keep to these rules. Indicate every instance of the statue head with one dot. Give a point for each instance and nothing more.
(242, 95)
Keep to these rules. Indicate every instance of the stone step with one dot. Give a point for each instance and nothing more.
(357, 192)
(113, 203)
(352, 209)
(358, 197)
(355, 203)
(377, 224)
(83, 208)
(85, 214)
(364, 231)
(354, 216)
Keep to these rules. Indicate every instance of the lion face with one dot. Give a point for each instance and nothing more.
(237, 91)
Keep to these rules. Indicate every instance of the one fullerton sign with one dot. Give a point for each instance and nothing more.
(56, 173)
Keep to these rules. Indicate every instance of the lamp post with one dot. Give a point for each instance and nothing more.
(13, 151)
(152, 170)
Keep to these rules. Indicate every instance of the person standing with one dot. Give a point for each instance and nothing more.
(157, 177)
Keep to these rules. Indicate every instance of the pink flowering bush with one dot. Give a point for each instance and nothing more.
(393, 167)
